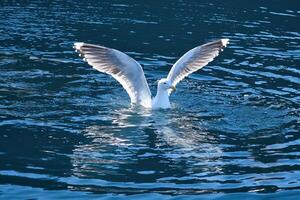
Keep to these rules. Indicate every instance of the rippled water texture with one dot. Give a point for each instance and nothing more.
(67, 130)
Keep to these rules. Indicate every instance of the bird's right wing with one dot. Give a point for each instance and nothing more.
(195, 59)
(123, 68)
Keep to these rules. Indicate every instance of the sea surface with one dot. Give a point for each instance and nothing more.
(68, 131)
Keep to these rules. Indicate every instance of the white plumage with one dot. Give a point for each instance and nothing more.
(130, 74)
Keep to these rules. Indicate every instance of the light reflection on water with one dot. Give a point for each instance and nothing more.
(66, 128)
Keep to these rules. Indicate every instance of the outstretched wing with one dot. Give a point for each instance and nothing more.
(122, 67)
(195, 59)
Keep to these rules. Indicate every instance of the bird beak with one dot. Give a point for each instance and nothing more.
(173, 88)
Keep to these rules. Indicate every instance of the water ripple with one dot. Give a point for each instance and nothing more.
(232, 131)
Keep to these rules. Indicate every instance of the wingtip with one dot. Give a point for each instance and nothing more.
(225, 42)
(78, 45)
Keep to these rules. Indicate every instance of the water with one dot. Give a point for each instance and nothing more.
(68, 131)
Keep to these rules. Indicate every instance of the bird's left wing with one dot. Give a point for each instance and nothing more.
(195, 59)
(123, 68)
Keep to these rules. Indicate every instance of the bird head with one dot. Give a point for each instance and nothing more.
(164, 84)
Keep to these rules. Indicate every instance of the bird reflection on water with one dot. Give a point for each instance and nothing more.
(154, 145)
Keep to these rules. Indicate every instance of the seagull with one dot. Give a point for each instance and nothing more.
(129, 73)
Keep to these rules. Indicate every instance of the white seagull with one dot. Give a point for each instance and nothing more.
(131, 76)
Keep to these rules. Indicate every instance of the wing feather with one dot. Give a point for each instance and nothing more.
(123, 68)
(195, 59)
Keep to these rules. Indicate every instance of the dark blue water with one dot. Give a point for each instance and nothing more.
(67, 131)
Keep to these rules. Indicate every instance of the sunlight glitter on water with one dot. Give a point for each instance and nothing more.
(66, 129)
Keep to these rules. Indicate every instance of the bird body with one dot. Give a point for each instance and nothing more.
(161, 100)
(130, 75)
